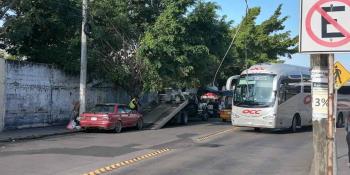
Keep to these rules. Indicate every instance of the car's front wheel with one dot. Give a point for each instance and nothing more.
(118, 127)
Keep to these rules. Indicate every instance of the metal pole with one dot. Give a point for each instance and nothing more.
(83, 61)
(330, 123)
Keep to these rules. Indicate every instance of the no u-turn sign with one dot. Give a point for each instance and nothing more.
(325, 26)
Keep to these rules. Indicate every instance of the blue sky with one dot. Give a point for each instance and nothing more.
(235, 10)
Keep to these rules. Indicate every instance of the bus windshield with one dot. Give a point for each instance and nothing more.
(254, 91)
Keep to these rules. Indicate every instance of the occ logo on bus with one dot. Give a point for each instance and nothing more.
(252, 112)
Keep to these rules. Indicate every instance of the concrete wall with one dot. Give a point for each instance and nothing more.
(2, 93)
(41, 95)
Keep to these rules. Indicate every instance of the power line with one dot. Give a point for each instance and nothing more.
(233, 39)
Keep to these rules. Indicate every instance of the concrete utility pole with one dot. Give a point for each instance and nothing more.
(323, 113)
(83, 61)
(331, 116)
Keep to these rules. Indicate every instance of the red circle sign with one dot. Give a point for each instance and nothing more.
(317, 8)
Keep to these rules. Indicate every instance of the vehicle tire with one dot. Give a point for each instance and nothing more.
(295, 123)
(340, 120)
(118, 127)
(205, 117)
(223, 120)
(178, 119)
(139, 124)
(257, 129)
(184, 118)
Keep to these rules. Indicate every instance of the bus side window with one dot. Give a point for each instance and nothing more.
(307, 89)
(289, 88)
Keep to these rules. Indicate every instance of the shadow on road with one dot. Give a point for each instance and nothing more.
(277, 131)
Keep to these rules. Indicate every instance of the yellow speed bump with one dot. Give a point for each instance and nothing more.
(206, 137)
(127, 162)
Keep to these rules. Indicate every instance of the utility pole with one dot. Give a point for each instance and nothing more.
(323, 113)
(83, 61)
(331, 116)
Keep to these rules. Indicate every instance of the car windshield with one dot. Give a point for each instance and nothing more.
(103, 109)
(254, 91)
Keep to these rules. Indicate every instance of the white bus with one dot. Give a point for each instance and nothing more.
(277, 96)
(272, 96)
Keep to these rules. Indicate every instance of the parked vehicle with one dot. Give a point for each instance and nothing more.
(111, 117)
(226, 105)
(208, 105)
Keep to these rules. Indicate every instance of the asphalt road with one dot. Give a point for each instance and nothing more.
(199, 148)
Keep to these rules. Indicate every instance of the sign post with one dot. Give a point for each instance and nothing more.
(324, 30)
(341, 75)
(319, 64)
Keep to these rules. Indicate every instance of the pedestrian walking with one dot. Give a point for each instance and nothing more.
(74, 122)
(347, 127)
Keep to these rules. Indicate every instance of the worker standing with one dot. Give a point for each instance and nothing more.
(133, 105)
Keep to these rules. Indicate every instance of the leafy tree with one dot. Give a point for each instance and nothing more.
(264, 43)
(185, 46)
(115, 41)
(142, 45)
(45, 31)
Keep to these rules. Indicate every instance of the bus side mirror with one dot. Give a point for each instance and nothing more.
(229, 82)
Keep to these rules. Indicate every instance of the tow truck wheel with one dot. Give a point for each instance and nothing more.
(118, 127)
(184, 118)
(205, 117)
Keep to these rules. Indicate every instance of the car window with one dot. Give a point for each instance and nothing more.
(121, 109)
(127, 109)
(103, 109)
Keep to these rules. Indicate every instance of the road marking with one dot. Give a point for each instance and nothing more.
(127, 162)
(203, 138)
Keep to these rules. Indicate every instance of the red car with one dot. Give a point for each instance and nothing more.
(111, 117)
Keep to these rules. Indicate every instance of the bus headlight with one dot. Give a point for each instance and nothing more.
(234, 116)
(270, 117)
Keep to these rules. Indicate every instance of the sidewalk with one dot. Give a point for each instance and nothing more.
(342, 152)
(33, 133)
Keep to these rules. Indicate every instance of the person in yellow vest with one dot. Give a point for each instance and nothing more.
(133, 105)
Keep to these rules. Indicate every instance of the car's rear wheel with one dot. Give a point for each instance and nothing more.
(118, 127)
(139, 124)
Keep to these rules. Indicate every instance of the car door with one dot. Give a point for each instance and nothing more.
(115, 115)
(133, 116)
(123, 115)
(130, 116)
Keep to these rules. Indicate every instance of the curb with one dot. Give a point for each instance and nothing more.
(39, 136)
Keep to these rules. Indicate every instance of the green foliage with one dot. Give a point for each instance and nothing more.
(142, 45)
(185, 47)
(264, 43)
(45, 31)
